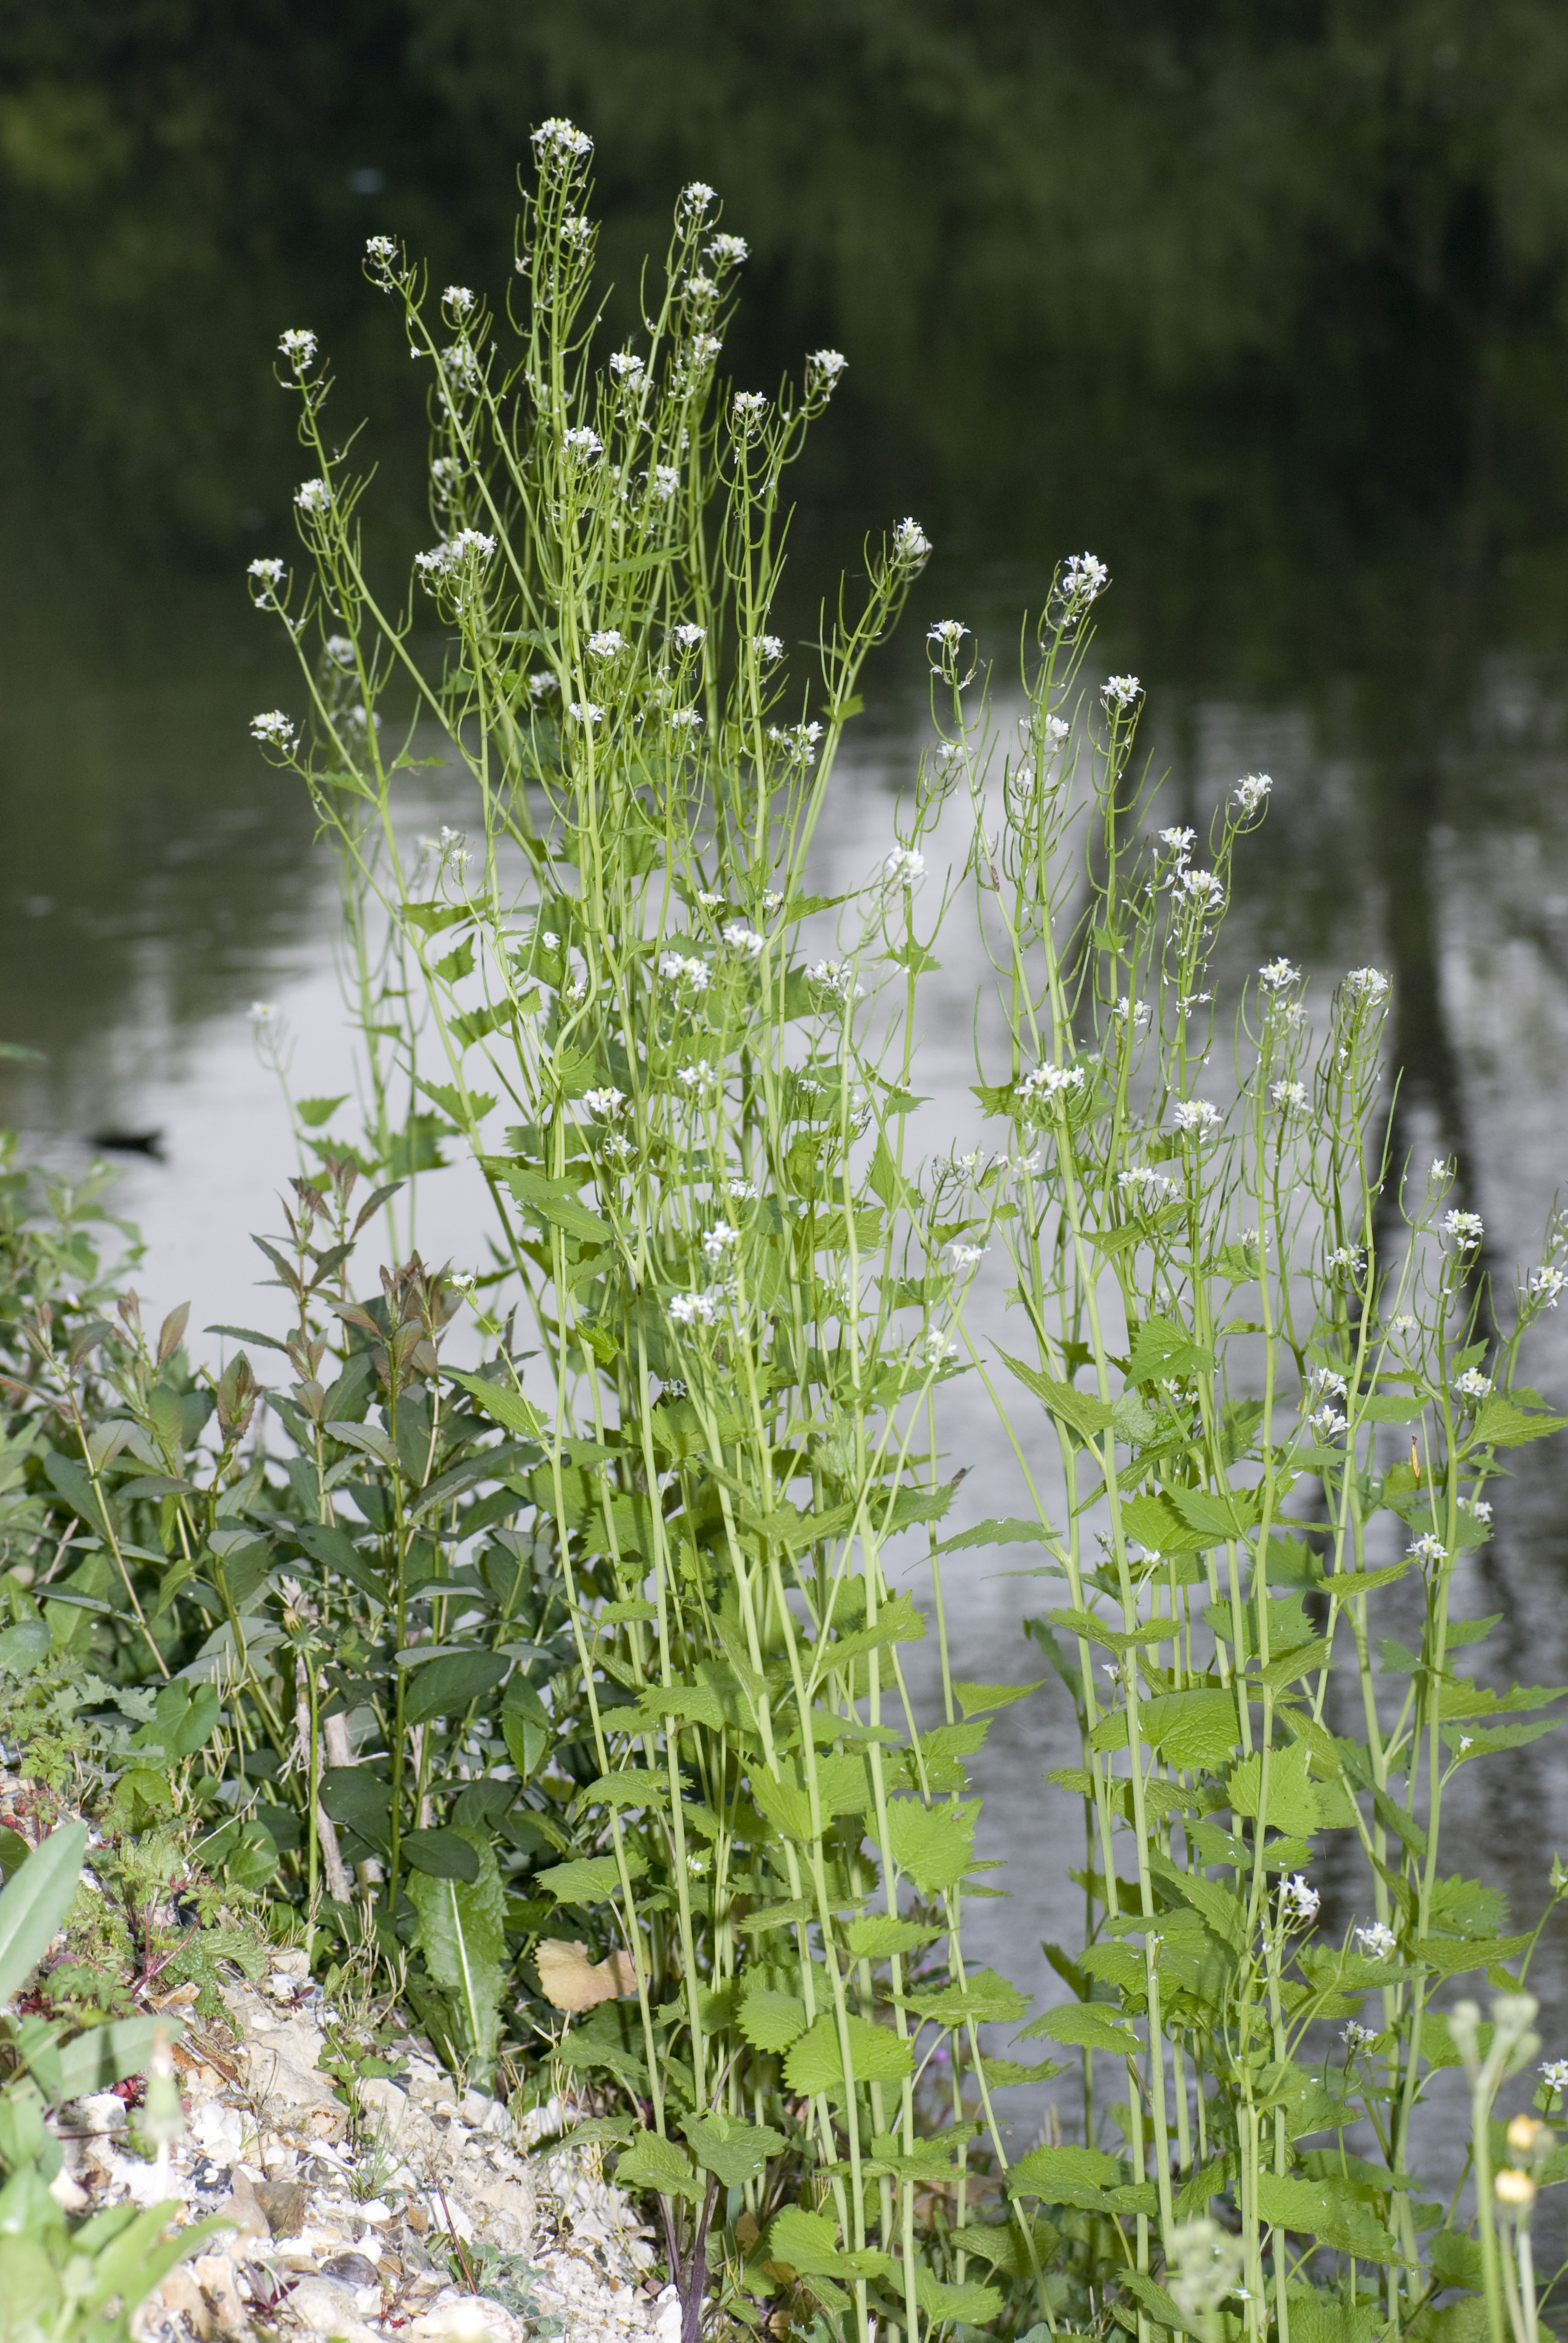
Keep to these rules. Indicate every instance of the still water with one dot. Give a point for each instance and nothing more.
(160, 878)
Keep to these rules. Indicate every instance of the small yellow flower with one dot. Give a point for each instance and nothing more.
(1516, 2190)
(1523, 2132)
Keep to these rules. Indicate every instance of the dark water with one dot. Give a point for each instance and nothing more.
(1271, 318)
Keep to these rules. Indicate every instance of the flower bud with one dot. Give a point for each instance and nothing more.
(1514, 2190)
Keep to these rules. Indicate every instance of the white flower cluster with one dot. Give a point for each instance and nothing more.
(1377, 1941)
(693, 1309)
(677, 969)
(688, 637)
(1347, 1261)
(604, 1105)
(663, 482)
(823, 368)
(1327, 1423)
(699, 1076)
(1132, 1014)
(1275, 974)
(1289, 1097)
(1153, 1184)
(1179, 843)
(1195, 1115)
(728, 251)
(541, 682)
(1252, 792)
(606, 643)
(273, 730)
(767, 648)
(626, 366)
(1466, 1229)
(836, 976)
(966, 1256)
(685, 719)
(298, 346)
(1546, 1285)
(458, 297)
(584, 711)
(904, 864)
(1119, 692)
(1368, 984)
(742, 938)
(749, 407)
(1201, 889)
(1049, 1083)
(1327, 1380)
(1298, 1902)
(946, 634)
(1479, 1508)
(745, 1192)
(1084, 577)
(800, 742)
(1554, 2074)
(339, 650)
(313, 496)
(455, 557)
(696, 197)
(380, 251)
(583, 442)
(558, 140)
(910, 542)
(446, 471)
(719, 1244)
(1472, 1385)
(1427, 1549)
(1356, 2037)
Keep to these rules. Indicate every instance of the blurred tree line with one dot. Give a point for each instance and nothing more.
(1286, 277)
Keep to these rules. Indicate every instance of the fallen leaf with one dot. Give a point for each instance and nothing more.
(569, 1980)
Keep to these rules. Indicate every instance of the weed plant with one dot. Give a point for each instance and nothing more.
(567, 1699)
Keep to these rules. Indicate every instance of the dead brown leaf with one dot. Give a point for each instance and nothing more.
(569, 1980)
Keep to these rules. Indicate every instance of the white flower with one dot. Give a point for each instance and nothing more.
(604, 1105)
(606, 643)
(741, 938)
(823, 368)
(1298, 1902)
(1154, 1184)
(1427, 1549)
(905, 863)
(1250, 793)
(965, 1256)
(686, 719)
(767, 648)
(1119, 692)
(1179, 842)
(1378, 1941)
(298, 346)
(688, 637)
(835, 976)
(1472, 1384)
(1370, 983)
(275, 729)
(1346, 1260)
(772, 900)
(799, 741)
(1292, 1096)
(702, 351)
(558, 140)
(626, 366)
(663, 480)
(946, 634)
(1054, 729)
(1133, 1012)
(266, 567)
(728, 251)
(584, 711)
(1546, 1285)
(681, 970)
(1195, 1114)
(583, 443)
(693, 1309)
(380, 251)
(1327, 1423)
(1554, 2074)
(697, 195)
(455, 557)
(748, 405)
(1326, 1380)
(576, 229)
(312, 495)
(339, 649)
(1479, 1507)
(616, 1146)
(910, 542)
(1051, 1083)
(550, 941)
(697, 1077)
(1084, 577)
(540, 682)
(1357, 2038)
(1467, 1229)
(1276, 973)
(745, 1192)
(1200, 886)
(719, 1242)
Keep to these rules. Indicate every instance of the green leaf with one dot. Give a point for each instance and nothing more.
(448, 1685)
(461, 1931)
(975, 1699)
(1500, 1424)
(34, 1903)
(1083, 2025)
(554, 1199)
(1328, 2210)
(875, 1936)
(1217, 1517)
(807, 2242)
(1293, 1804)
(733, 2151)
(1046, 2170)
(971, 2302)
(770, 2020)
(507, 1406)
(1007, 1532)
(1155, 1522)
(933, 1845)
(24, 1648)
(983, 1998)
(876, 2055)
(441, 1853)
(1162, 1350)
(462, 1111)
(314, 1113)
(590, 1880)
(1079, 1411)
(1190, 1729)
(659, 2165)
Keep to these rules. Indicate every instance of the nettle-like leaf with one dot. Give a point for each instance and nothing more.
(934, 1844)
(815, 2062)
